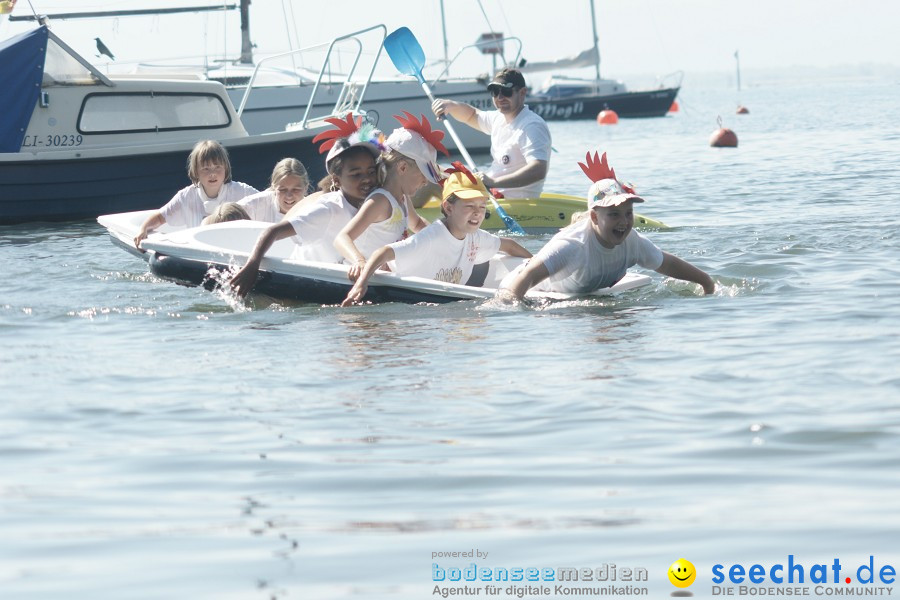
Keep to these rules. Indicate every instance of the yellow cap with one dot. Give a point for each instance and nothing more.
(459, 184)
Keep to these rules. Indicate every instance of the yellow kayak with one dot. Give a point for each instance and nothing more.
(547, 214)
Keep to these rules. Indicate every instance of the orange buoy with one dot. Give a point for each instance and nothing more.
(742, 110)
(674, 107)
(722, 137)
(607, 117)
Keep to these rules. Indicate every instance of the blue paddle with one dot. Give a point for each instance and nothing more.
(408, 57)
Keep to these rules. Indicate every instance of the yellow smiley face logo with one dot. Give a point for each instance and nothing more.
(682, 573)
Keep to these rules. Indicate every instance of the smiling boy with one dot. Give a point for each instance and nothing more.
(596, 251)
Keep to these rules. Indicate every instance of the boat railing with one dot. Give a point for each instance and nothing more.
(480, 45)
(671, 80)
(351, 94)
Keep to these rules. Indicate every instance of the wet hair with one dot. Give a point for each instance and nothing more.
(286, 167)
(229, 211)
(208, 152)
(388, 161)
(336, 164)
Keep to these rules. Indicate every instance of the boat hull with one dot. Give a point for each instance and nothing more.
(80, 187)
(204, 256)
(287, 286)
(651, 103)
(318, 283)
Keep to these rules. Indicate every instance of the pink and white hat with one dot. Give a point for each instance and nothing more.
(606, 189)
(609, 192)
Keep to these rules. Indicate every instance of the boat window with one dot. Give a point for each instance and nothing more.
(60, 68)
(129, 112)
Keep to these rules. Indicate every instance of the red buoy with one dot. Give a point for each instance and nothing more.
(742, 110)
(607, 117)
(723, 138)
(674, 107)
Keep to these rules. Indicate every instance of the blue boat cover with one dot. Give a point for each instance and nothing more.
(21, 72)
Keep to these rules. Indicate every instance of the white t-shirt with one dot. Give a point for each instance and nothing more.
(393, 229)
(434, 253)
(262, 207)
(578, 263)
(190, 205)
(514, 144)
(317, 226)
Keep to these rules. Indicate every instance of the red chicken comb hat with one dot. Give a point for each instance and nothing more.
(457, 167)
(423, 128)
(606, 189)
(596, 168)
(463, 183)
(347, 133)
(342, 128)
(416, 140)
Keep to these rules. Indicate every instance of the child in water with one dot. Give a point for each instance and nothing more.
(210, 172)
(448, 249)
(595, 252)
(351, 164)
(287, 187)
(408, 163)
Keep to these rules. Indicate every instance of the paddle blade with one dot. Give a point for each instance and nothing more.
(405, 52)
(510, 223)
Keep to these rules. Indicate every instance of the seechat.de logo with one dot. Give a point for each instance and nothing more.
(682, 573)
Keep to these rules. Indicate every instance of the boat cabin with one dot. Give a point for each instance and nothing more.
(59, 102)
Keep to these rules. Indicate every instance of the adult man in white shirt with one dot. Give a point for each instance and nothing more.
(520, 139)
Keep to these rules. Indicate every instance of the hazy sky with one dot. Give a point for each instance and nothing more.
(636, 36)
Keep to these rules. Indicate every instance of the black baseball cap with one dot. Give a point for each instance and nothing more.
(507, 78)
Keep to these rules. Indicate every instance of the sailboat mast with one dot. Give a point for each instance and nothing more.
(596, 40)
(444, 30)
(246, 46)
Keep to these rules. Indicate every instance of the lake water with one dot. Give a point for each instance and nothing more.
(159, 441)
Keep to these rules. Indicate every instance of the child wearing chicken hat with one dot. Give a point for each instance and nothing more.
(352, 147)
(448, 249)
(408, 163)
(595, 252)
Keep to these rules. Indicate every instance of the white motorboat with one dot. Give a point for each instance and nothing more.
(76, 144)
(274, 92)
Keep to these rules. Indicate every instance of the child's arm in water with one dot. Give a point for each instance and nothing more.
(532, 274)
(358, 291)
(672, 266)
(153, 221)
(244, 280)
(513, 248)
